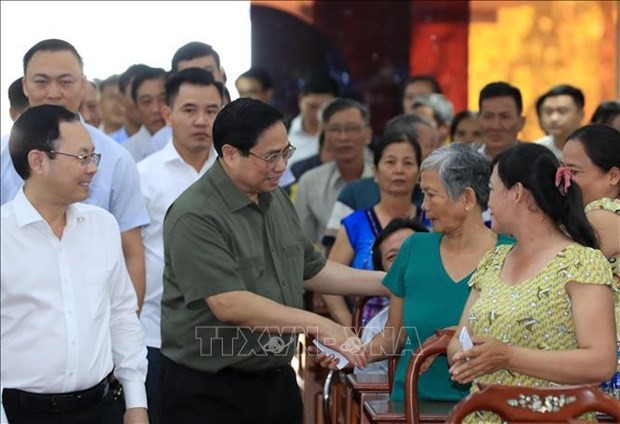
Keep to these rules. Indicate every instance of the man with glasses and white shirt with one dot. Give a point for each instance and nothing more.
(68, 307)
(193, 100)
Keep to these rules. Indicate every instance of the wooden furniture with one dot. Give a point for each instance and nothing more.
(365, 387)
(535, 404)
(336, 395)
(411, 410)
(310, 375)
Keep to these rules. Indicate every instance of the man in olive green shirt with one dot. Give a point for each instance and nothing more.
(237, 263)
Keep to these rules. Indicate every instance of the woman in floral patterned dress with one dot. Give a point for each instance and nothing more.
(541, 312)
(593, 155)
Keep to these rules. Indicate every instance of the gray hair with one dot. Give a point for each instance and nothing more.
(460, 166)
(443, 111)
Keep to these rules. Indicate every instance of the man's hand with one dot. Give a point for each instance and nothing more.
(136, 416)
(344, 341)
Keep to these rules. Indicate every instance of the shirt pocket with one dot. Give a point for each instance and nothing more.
(251, 270)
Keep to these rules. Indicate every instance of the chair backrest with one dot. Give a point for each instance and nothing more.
(392, 362)
(434, 345)
(535, 404)
(358, 313)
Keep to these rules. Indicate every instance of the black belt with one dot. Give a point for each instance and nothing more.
(57, 403)
(266, 374)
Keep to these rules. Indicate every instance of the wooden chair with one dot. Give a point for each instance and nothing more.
(535, 404)
(311, 375)
(335, 396)
(364, 387)
(412, 411)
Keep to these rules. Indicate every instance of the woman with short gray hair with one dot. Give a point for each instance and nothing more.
(459, 167)
(429, 278)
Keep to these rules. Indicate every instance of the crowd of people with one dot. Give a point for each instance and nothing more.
(158, 239)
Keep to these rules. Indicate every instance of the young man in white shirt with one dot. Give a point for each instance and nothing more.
(193, 100)
(560, 112)
(68, 306)
(305, 128)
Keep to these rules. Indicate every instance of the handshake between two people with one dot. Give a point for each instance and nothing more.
(339, 347)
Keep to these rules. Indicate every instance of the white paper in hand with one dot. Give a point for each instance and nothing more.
(465, 340)
(342, 360)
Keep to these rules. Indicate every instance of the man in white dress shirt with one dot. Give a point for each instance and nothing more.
(193, 100)
(560, 112)
(149, 95)
(68, 315)
(305, 128)
(54, 74)
(18, 103)
(194, 54)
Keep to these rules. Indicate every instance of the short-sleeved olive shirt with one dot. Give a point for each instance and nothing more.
(217, 240)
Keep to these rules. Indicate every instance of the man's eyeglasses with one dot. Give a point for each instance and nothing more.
(272, 158)
(85, 160)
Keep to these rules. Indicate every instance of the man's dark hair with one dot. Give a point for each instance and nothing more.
(38, 128)
(260, 75)
(320, 84)
(339, 104)
(192, 50)
(130, 73)
(425, 78)
(193, 76)
(17, 98)
(242, 122)
(146, 75)
(562, 90)
(111, 80)
(395, 225)
(501, 89)
(51, 45)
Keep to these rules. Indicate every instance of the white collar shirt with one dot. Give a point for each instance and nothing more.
(163, 177)
(137, 145)
(68, 308)
(549, 142)
(307, 145)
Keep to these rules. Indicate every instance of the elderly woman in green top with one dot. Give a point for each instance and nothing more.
(540, 312)
(428, 280)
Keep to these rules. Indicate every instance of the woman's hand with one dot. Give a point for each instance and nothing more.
(487, 356)
(345, 341)
(324, 360)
